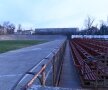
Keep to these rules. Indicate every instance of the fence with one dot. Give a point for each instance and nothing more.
(52, 64)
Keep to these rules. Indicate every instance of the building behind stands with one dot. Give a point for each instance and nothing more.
(52, 31)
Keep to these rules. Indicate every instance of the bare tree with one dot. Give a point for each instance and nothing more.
(89, 22)
(107, 21)
(19, 27)
(9, 27)
(6, 24)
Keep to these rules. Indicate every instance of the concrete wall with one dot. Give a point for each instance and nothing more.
(31, 37)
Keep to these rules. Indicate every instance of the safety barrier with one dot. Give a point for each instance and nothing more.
(39, 73)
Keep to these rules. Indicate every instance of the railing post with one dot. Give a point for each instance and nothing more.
(53, 73)
(43, 75)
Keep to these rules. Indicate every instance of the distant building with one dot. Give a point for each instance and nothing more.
(25, 32)
(19, 32)
(56, 30)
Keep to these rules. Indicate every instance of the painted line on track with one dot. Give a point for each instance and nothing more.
(34, 67)
(40, 63)
(10, 75)
(48, 73)
(25, 50)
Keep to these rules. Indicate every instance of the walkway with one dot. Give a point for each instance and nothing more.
(69, 76)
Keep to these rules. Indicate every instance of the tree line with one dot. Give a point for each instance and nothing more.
(91, 29)
(7, 28)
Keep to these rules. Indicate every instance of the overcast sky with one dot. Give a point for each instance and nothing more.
(52, 13)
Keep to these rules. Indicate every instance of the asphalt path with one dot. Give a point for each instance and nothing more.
(14, 64)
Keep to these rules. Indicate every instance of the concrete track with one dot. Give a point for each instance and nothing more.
(14, 64)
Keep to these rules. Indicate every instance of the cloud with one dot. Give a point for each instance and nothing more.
(52, 13)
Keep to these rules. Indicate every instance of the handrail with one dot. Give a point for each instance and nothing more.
(35, 76)
(41, 70)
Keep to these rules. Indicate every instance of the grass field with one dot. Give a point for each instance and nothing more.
(7, 45)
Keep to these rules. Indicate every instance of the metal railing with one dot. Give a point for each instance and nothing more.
(39, 73)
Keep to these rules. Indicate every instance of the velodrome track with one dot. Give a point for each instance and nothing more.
(14, 64)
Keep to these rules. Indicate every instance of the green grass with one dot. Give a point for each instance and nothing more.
(7, 45)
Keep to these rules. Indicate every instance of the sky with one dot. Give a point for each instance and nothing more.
(52, 13)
